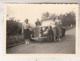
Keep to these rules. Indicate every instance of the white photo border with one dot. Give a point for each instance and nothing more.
(44, 55)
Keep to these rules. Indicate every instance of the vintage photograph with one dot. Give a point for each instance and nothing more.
(41, 28)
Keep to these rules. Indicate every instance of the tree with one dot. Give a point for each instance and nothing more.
(68, 19)
(45, 16)
(52, 16)
(48, 16)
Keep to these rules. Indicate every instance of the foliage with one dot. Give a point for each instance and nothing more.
(13, 27)
(67, 18)
(48, 16)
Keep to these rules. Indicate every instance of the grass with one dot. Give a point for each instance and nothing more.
(14, 40)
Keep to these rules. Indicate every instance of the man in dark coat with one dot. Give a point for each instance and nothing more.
(38, 23)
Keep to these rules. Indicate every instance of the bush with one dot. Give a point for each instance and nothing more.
(68, 19)
(14, 40)
(13, 27)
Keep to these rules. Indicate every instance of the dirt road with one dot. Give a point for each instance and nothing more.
(66, 46)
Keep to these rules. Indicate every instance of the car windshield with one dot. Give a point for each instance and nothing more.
(47, 23)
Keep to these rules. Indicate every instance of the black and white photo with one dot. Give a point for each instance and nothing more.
(41, 28)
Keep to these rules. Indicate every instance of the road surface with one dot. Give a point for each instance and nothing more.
(66, 46)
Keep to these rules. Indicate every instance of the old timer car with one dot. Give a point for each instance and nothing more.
(41, 33)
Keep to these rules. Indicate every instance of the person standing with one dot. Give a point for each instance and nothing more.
(37, 29)
(58, 28)
(38, 23)
(26, 31)
(53, 24)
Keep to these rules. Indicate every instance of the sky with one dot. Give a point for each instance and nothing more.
(35, 11)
